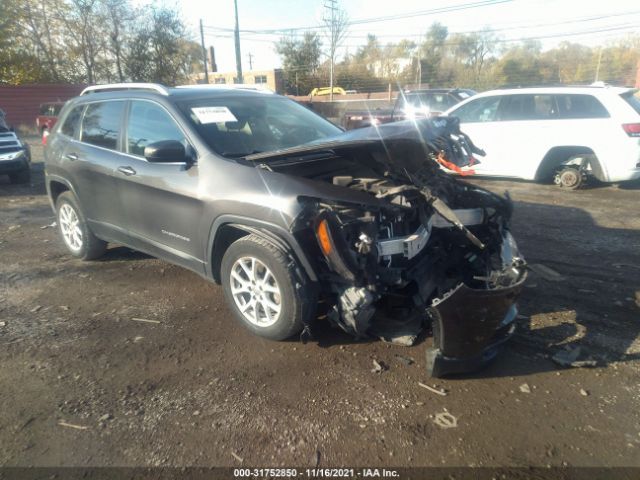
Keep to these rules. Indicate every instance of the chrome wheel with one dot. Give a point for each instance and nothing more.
(255, 291)
(70, 227)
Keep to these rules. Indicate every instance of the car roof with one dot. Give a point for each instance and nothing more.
(175, 93)
(436, 90)
(577, 89)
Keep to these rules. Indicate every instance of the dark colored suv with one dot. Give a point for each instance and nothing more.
(15, 155)
(254, 191)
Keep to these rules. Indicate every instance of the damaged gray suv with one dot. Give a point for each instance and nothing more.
(287, 212)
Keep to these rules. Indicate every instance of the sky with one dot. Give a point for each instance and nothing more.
(551, 21)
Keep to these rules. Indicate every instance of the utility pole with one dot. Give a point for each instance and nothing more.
(204, 53)
(419, 70)
(331, 6)
(238, 56)
(598, 67)
(250, 55)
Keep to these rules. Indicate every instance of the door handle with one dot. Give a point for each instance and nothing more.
(128, 171)
(72, 156)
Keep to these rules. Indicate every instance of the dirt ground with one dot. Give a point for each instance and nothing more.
(84, 381)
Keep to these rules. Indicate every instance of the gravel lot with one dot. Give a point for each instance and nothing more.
(132, 361)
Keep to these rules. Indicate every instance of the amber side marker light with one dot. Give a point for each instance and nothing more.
(323, 237)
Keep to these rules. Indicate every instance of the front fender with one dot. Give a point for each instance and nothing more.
(275, 234)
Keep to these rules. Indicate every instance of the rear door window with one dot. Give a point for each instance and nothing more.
(72, 122)
(150, 123)
(479, 110)
(101, 124)
(580, 106)
(528, 107)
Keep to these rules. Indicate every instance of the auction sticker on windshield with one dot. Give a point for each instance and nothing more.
(213, 115)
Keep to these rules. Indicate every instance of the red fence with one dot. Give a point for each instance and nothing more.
(22, 103)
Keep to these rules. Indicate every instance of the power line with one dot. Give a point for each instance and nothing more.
(419, 13)
(615, 28)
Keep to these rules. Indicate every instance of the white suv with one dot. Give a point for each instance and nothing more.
(561, 133)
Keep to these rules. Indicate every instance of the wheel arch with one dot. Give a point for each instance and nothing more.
(229, 228)
(556, 157)
(55, 187)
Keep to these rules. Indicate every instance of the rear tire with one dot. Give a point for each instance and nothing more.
(263, 289)
(74, 230)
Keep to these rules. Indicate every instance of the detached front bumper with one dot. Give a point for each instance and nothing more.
(469, 326)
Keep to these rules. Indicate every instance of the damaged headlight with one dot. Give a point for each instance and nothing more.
(334, 247)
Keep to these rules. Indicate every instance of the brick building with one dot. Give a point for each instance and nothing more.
(272, 79)
(22, 103)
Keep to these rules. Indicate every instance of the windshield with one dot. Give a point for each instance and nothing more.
(433, 101)
(633, 99)
(237, 126)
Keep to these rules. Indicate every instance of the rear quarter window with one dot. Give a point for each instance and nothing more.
(580, 106)
(633, 99)
(72, 122)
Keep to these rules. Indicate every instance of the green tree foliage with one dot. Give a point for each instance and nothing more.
(480, 60)
(300, 62)
(431, 52)
(158, 52)
(93, 41)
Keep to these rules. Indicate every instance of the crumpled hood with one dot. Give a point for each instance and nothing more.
(434, 135)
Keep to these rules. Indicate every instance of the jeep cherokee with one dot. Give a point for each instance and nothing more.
(254, 191)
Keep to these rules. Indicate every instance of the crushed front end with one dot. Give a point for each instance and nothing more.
(415, 249)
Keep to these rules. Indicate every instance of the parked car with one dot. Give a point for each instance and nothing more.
(556, 133)
(409, 105)
(15, 155)
(317, 92)
(281, 207)
(429, 102)
(47, 118)
(361, 118)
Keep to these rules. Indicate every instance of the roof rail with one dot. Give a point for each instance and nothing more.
(126, 86)
(256, 87)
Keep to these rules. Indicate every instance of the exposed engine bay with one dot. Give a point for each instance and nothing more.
(420, 249)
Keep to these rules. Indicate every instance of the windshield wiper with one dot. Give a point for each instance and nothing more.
(239, 154)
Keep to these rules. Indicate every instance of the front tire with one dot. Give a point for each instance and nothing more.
(74, 230)
(263, 290)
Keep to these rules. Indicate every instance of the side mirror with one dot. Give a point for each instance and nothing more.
(165, 151)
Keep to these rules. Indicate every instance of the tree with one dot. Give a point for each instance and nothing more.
(473, 50)
(118, 17)
(300, 61)
(157, 51)
(431, 52)
(85, 36)
(521, 65)
(91, 41)
(370, 54)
